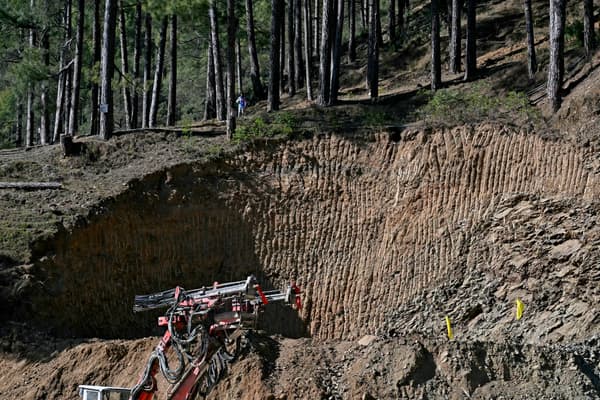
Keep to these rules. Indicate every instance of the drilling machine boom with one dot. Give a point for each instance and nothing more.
(204, 328)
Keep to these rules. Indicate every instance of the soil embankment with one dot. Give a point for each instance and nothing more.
(387, 233)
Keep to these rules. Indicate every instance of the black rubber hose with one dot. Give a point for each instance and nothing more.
(143, 384)
(171, 375)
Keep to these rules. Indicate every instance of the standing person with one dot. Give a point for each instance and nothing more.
(241, 102)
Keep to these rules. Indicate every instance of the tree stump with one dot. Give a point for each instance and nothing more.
(69, 148)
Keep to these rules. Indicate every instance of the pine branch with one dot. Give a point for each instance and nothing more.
(8, 18)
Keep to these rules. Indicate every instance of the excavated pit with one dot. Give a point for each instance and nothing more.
(365, 223)
(387, 233)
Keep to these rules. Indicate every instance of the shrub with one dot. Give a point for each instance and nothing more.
(282, 124)
(186, 127)
(375, 118)
(477, 104)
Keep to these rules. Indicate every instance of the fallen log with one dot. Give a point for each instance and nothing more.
(30, 185)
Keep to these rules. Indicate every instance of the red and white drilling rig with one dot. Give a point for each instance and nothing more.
(204, 328)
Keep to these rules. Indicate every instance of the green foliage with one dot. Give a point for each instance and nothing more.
(31, 68)
(283, 124)
(13, 13)
(186, 127)
(94, 73)
(7, 118)
(574, 33)
(215, 150)
(375, 118)
(188, 10)
(256, 128)
(477, 104)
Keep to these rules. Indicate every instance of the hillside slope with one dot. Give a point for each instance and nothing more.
(386, 233)
(388, 224)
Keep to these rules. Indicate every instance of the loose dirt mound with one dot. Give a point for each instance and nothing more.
(373, 368)
(38, 366)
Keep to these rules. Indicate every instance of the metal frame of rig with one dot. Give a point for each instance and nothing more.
(204, 328)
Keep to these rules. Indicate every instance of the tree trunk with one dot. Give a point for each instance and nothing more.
(29, 132)
(325, 59)
(172, 100)
(44, 117)
(158, 73)
(448, 16)
(291, 61)
(78, 61)
(392, 22)
(107, 70)
(531, 59)
(231, 31)
(379, 29)
(238, 64)
(364, 14)
(337, 52)
(352, 29)
(282, 47)
(30, 185)
(147, 71)
(308, 26)
(589, 39)
(124, 66)
(63, 77)
(94, 119)
(215, 45)
(403, 16)
(277, 7)
(455, 37)
(60, 93)
(210, 110)
(317, 33)
(471, 56)
(298, 75)
(556, 36)
(307, 50)
(436, 65)
(30, 128)
(373, 56)
(19, 125)
(137, 50)
(561, 42)
(257, 87)
(69, 72)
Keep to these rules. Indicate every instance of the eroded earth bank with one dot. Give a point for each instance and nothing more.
(387, 232)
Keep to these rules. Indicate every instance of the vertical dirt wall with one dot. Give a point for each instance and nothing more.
(364, 223)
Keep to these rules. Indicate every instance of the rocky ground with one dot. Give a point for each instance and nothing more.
(389, 225)
(407, 367)
(540, 249)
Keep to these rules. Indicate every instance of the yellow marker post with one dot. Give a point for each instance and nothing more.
(449, 326)
(520, 308)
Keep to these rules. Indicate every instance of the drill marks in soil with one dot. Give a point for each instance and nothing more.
(393, 219)
(137, 251)
(358, 223)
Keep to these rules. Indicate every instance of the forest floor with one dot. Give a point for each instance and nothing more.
(35, 365)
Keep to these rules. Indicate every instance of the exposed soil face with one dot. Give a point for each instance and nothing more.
(387, 229)
(387, 233)
(360, 221)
